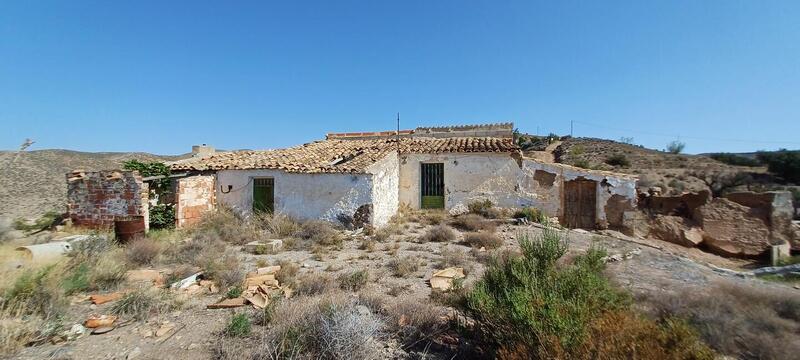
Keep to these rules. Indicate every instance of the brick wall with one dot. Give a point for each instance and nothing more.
(95, 199)
(194, 195)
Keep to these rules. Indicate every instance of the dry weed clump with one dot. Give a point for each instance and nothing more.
(484, 208)
(277, 224)
(225, 225)
(315, 283)
(142, 251)
(473, 222)
(414, 320)
(353, 281)
(331, 325)
(740, 320)
(142, 303)
(438, 233)
(483, 239)
(404, 266)
(367, 244)
(288, 272)
(452, 256)
(321, 233)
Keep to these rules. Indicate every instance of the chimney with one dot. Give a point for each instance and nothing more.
(202, 150)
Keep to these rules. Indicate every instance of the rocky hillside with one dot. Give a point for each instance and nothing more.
(33, 182)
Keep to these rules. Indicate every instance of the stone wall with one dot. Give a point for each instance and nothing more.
(194, 195)
(775, 208)
(95, 199)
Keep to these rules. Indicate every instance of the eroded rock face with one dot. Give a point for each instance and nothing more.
(676, 229)
(730, 229)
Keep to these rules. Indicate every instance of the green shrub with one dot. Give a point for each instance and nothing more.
(532, 214)
(733, 159)
(35, 292)
(353, 281)
(675, 147)
(483, 208)
(783, 163)
(234, 292)
(527, 299)
(162, 216)
(618, 160)
(239, 325)
(582, 163)
(48, 220)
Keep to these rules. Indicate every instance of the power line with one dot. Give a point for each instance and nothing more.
(752, 141)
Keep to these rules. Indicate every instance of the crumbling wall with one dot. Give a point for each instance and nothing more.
(96, 198)
(385, 194)
(680, 205)
(775, 208)
(300, 195)
(194, 195)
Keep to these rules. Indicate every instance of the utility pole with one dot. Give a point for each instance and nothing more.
(570, 128)
(397, 135)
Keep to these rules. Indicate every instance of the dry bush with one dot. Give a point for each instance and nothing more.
(739, 320)
(452, 256)
(353, 281)
(35, 292)
(326, 326)
(225, 270)
(439, 233)
(383, 234)
(286, 275)
(16, 333)
(414, 320)
(225, 225)
(315, 283)
(142, 251)
(277, 224)
(140, 304)
(404, 266)
(320, 233)
(367, 244)
(473, 222)
(433, 217)
(483, 239)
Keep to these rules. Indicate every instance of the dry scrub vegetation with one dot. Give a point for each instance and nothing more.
(367, 298)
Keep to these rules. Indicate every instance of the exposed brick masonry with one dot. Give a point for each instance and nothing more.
(95, 199)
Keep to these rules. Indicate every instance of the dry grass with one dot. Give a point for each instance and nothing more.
(142, 251)
(739, 320)
(367, 244)
(278, 224)
(483, 239)
(320, 233)
(404, 266)
(452, 256)
(315, 283)
(473, 222)
(414, 320)
(226, 226)
(439, 233)
(353, 281)
(143, 303)
(288, 272)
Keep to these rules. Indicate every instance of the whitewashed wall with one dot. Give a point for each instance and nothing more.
(501, 179)
(304, 196)
(385, 179)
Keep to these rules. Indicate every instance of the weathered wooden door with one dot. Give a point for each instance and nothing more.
(432, 186)
(580, 199)
(264, 195)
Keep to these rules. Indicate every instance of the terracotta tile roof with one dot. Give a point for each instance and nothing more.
(340, 156)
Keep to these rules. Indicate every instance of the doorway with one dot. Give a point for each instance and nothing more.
(264, 195)
(432, 186)
(580, 200)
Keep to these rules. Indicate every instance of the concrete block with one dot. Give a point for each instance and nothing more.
(264, 247)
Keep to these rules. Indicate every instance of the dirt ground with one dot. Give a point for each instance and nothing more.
(647, 267)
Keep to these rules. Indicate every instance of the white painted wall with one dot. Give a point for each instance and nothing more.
(303, 196)
(385, 180)
(499, 178)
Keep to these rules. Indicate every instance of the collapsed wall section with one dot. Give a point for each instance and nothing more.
(96, 198)
(194, 196)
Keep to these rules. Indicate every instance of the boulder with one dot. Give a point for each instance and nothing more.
(676, 229)
(458, 209)
(731, 230)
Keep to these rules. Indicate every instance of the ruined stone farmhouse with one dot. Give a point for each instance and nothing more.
(367, 177)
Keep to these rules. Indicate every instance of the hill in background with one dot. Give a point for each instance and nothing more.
(35, 181)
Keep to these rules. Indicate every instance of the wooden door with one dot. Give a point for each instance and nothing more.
(432, 186)
(580, 199)
(264, 195)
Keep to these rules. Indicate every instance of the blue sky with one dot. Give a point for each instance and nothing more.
(159, 76)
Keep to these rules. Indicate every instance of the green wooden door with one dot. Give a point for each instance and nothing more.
(263, 195)
(432, 186)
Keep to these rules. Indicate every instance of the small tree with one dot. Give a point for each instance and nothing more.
(675, 147)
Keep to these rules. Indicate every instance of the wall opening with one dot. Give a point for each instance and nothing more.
(432, 189)
(580, 203)
(264, 195)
